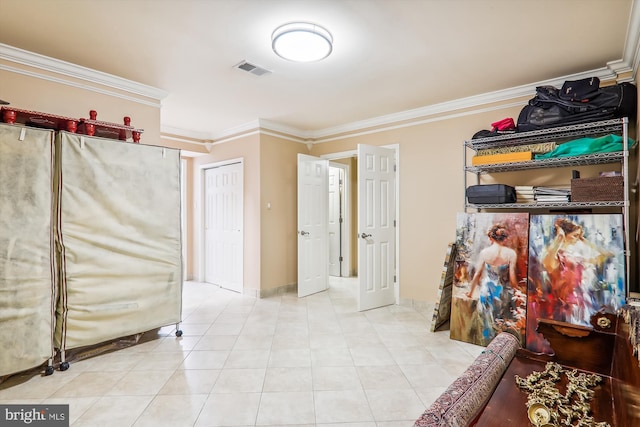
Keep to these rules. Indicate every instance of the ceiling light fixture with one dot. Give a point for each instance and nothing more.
(302, 42)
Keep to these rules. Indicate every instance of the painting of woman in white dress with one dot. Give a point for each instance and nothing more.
(489, 294)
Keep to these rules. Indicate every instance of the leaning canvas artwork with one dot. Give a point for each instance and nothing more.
(576, 268)
(490, 276)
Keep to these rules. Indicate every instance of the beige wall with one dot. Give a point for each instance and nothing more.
(430, 175)
(270, 233)
(431, 191)
(279, 238)
(248, 149)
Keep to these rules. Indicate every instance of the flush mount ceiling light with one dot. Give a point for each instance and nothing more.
(302, 42)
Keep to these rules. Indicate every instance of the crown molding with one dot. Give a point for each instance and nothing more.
(67, 82)
(255, 131)
(279, 129)
(35, 60)
(184, 134)
(475, 101)
(448, 116)
(249, 127)
(200, 144)
(416, 116)
(631, 52)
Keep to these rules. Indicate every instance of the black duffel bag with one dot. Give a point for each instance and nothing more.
(580, 90)
(549, 109)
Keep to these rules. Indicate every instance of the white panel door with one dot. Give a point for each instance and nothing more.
(376, 226)
(223, 222)
(313, 250)
(334, 223)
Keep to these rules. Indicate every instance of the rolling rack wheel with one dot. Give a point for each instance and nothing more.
(178, 330)
(49, 369)
(64, 365)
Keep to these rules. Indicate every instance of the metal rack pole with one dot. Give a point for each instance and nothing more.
(625, 173)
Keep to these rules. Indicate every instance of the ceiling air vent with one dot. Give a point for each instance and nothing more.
(251, 68)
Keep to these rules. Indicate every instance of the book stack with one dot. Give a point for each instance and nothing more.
(552, 194)
(525, 194)
(533, 194)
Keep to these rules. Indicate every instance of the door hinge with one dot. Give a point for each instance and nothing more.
(394, 279)
(394, 168)
(394, 222)
(340, 220)
(340, 259)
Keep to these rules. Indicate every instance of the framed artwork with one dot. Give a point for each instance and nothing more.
(442, 310)
(576, 268)
(490, 276)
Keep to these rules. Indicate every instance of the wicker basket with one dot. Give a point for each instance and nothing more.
(600, 189)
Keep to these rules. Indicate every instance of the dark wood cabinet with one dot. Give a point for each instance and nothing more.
(605, 349)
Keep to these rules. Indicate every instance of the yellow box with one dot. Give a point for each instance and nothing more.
(520, 156)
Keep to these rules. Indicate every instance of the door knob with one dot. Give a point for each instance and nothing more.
(365, 235)
(304, 233)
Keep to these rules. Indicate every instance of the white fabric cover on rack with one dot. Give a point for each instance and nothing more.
(119, 239)
(27, 269)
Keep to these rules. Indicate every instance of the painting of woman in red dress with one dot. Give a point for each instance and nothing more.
(576, 268)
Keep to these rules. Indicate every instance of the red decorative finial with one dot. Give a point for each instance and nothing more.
(72, 126)
(136, 136)
(93, 114)
(127, 121)
(90, 129)
(9, 116)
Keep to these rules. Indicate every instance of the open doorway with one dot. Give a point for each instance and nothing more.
(376, 231)
(363, 191)
(339, 217)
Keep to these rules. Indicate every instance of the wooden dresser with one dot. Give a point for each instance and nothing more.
(605, 349)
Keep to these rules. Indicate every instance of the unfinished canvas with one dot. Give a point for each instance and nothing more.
(490, 279)
(576, 268)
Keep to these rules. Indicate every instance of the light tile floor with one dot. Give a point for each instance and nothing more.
(277, 361)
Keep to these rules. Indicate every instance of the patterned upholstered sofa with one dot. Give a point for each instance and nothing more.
(461, 402)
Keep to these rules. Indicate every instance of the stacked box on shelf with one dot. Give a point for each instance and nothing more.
(27, 258)
(602, 188)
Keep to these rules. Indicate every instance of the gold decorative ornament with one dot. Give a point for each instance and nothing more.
(603, 322)
(539, 414)
(547, 407)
